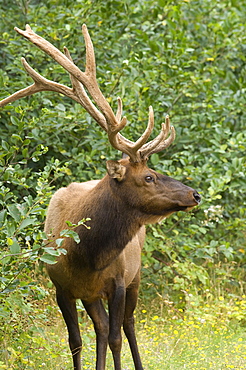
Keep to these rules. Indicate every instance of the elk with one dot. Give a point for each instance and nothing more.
(105, 264)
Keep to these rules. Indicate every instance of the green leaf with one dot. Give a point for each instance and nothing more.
(70, 234)
(69, 223)
(59, 242)
(51, 251)
(61, 107)
(14, 120)
(5, 145)
(14, 212)
(62, 251)
(48, 258)
(154, 159)
(16, 137)
(15, 247)
(26, 222)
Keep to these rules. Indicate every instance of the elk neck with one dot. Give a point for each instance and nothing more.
(113, 224)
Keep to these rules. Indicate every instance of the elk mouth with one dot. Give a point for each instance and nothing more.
(153, 218)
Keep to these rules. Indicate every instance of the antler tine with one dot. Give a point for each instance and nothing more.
(142, 140)
(40, 84)
(166, 143)
(161, 142)
(128, 147)
(90, 68)
(119, 109)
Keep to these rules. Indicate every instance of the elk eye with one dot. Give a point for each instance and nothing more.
(149, 178)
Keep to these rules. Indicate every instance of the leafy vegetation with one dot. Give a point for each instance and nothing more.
(186, 59)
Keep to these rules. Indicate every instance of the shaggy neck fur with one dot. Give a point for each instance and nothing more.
(112, 226)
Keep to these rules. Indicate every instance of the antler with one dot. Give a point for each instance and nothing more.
(104, 116)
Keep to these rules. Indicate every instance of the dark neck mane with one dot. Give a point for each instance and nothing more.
(112, 226)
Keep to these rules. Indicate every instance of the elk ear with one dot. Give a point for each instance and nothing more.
(116, 170)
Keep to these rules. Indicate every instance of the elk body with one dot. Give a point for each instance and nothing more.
(105, 264)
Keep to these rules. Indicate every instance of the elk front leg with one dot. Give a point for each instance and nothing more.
(99, 317)
(70, 315)
(128, 323)
(116, 316)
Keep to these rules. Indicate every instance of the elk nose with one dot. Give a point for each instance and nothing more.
(197, 196)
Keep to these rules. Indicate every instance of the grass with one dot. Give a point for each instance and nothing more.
(203, 338)
(194, 345)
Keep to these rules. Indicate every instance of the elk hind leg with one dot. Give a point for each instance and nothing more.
(128, 323)
(70, 315)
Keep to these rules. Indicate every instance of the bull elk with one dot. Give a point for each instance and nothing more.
(105, 264)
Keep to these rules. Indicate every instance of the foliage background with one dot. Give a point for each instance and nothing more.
(186, 59)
